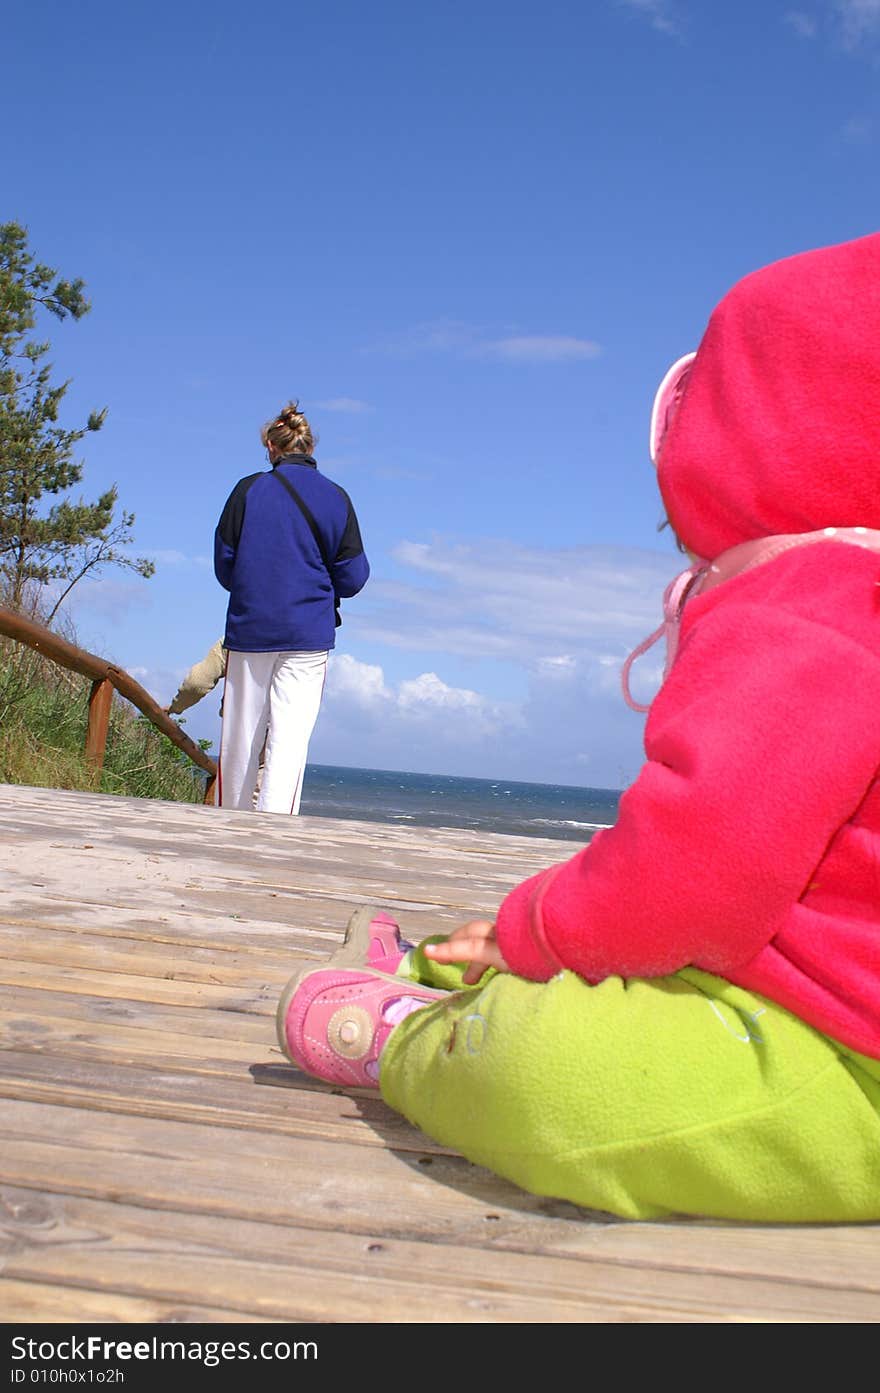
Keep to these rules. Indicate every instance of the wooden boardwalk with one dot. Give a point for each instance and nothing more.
(159, 1161)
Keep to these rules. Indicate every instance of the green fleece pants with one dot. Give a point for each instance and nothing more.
(677, 1095)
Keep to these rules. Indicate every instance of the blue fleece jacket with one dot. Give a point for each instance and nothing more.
(282, 596)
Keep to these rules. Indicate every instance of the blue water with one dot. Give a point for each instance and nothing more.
(441, 800)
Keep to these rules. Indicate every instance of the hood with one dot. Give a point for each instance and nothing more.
(778, 425)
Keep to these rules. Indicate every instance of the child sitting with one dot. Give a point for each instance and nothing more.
(685, 1016)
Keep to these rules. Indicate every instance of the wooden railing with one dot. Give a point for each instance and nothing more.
(106, 678)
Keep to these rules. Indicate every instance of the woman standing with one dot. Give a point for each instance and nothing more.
(287, 548)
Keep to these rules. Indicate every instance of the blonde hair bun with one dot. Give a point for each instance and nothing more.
(290, 432)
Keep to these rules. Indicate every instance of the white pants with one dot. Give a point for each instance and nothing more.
(271, 697)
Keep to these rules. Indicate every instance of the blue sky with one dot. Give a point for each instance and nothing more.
(469, 238)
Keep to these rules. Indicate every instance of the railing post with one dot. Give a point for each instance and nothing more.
(100, 701)
(209, 790)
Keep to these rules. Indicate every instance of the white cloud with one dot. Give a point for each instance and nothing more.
(538, 348)
(659, 13)
(859, 20)
(557, 667)
(571, 726)
(439, 336)
(498, 599)
(853, 24)
(109, 598)
(566, 619)
(428, 691)
(466, 340)
(804, 25)
(573, 730)
(348, 406)
(361, 683)
(423, 699)
(170, 557)
(427, 697)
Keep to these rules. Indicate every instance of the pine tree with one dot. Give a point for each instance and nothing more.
(66, 540)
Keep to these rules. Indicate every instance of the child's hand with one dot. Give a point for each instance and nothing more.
(474, 944)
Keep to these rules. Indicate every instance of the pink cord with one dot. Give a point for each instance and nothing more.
(674, 597)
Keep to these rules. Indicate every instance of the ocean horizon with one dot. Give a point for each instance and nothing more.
(515, 808)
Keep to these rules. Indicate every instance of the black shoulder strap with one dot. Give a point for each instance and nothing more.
(313, 528)
(307, 514)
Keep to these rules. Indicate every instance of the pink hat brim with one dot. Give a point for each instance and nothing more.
(666, 402)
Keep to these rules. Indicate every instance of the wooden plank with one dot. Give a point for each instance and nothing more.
(845, 1257)
(127, 987)
(108, 1043)
(306, 915)
(813, 1257)
(34, 812)
(297, 1107)
(28, 1012)
(316, 898)
(325, 1186)
(44, 1303)
(218, 1170)
(184, 928)
(28, 1018)
(298, 1274)
(226, 966)
(52, 1057)
(176, 932)
(286, 865)
(121, 885)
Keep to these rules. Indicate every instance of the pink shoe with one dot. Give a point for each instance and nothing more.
(372, 939)
(333, 1023)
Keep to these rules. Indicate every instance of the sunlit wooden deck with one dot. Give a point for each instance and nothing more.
(160, 1160)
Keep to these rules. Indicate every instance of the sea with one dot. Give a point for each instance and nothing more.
(559, 811)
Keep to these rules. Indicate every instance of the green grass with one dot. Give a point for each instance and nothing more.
(43, 719)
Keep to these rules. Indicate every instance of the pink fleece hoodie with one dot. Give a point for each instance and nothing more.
(749, 844)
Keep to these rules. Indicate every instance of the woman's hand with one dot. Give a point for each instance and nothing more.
(473, 943)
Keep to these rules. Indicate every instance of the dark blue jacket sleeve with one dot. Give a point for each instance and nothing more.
(350, 571)
(229, 530)
(224, 560)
